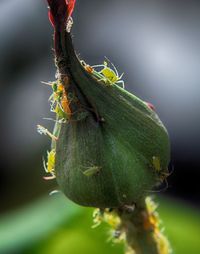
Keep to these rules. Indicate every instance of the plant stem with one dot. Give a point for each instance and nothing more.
(142, 231)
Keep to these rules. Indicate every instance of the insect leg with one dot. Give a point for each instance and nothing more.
(121, 83)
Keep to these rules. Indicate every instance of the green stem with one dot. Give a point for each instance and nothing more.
(142, 232)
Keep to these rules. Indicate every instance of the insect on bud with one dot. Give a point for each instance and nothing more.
(111, 163)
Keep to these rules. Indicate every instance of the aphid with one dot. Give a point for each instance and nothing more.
(81, 115)
(116, 234)
(112, 219)
(59, 101)
(87, 67)
(42, 130)
(97, 218)
(129, 208)
(108, 75)
(49, 166)
(93, 170)
(156, 163)
(65, 104)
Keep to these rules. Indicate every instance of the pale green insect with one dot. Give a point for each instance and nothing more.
(97, 217)
(108, 75)
(49, 166)
(90, 171)
(59, 103)
(156, 163)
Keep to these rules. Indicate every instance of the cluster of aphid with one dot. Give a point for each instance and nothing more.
(60, 105)
(59, 101)
(110, 217)
(151, 222)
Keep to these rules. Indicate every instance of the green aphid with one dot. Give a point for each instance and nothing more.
(156, 163)
(81, 115)
(59, 112)
(93, 170)
(49, 166)
(54, 87)
(108, 75)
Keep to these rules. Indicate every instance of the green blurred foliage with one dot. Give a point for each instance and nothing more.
(54, 225)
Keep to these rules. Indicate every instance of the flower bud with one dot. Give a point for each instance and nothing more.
(113, 149)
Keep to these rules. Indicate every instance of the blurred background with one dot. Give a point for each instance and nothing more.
(156, 43)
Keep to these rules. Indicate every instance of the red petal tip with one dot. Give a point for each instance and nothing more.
(51, 19)
(151, 106)
(70, 6)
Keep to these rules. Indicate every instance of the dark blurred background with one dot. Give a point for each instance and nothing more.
(156, 43)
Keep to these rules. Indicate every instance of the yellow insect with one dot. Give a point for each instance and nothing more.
(49, 166)
(156, 163)
(108, 75)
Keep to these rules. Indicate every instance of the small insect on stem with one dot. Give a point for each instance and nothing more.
(87, 67)
(129, 208)
(49, 166)
(42, 130)
(60, 103)
(93, 170)
(97, 217)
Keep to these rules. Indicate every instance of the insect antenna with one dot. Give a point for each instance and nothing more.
(55, 121)
(98, 65)
(46, 83)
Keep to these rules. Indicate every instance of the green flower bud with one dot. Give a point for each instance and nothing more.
(116, 152)
(113, 149)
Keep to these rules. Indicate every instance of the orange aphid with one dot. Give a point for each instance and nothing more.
(151, 223)
(65, 104)
(89, 69)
